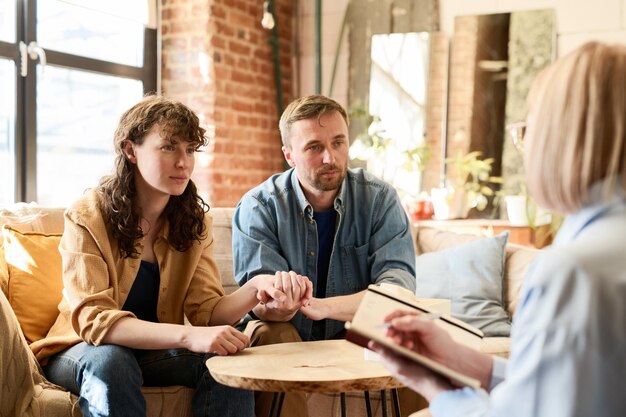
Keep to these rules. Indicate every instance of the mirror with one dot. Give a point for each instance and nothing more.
(379, 22)
(396, 114)
(493, 61)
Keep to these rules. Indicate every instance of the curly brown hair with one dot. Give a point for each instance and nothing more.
(185, 213)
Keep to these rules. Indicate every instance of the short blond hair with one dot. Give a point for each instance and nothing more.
(305, 107)
(577, 134)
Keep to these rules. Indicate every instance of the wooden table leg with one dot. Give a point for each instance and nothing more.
(368, 404)
(383, 402)
(396, 402)
(342, 399)
(273, 405)
(281, 399)
(277, 404)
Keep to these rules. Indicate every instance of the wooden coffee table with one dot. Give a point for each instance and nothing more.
(327, 366)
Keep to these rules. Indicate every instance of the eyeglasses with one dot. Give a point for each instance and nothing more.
(517, 131)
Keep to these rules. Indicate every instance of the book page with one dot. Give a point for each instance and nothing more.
(379, 302)
(368, 324)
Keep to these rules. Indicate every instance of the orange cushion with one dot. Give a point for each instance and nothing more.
(35, 279)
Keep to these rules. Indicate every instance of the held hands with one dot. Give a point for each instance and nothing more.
(284, 292)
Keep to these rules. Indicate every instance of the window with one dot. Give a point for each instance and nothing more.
(72, 66)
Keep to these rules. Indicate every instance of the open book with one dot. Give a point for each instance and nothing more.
(368, 324)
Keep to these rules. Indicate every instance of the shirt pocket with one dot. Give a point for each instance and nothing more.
(356, 274)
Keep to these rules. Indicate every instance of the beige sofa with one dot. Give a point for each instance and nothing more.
(48, 400)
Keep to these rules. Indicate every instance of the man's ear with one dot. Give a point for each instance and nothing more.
(287, 153)
(129, 151)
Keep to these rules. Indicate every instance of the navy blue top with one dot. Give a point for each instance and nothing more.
(326, 223)
(144, 294)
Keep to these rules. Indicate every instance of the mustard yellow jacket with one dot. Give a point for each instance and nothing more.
(97, 280)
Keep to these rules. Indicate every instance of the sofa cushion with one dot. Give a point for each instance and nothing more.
(430, 239)
(27, 217)
(470, 275)
(518, 259)
(222, 248)
(35, 284)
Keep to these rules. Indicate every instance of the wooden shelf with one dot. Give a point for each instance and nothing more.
(521, 235)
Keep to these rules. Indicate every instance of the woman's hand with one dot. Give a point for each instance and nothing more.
(411, 373)
(418, 333)
(220, 340)
(285, 292)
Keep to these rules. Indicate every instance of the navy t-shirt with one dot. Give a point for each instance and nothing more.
(326, 222)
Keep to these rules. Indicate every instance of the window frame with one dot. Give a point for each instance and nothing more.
(25, 141)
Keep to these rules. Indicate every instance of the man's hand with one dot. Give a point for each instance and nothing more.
(341, 307)
(316, 310)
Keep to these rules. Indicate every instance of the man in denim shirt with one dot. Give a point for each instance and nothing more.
(340, 227)
(343, 229)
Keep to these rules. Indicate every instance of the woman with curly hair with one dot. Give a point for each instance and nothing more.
(137, 259)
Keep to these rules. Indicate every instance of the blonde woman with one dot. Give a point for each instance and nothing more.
(568, 352)
(137, 258)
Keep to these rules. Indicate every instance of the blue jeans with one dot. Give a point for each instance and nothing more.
(108, 379)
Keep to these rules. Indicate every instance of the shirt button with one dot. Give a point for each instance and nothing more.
(311, 253)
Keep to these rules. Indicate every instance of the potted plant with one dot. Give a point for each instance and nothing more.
(417, 205)
(469, 186)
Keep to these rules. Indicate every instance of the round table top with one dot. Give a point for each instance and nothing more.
(328, 366)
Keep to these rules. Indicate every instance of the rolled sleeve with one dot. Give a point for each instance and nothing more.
(87, 283)
(391, 245)
(205, 289)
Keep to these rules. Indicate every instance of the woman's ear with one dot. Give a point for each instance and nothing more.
(129, 151)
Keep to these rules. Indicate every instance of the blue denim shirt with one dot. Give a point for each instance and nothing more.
(274, 230)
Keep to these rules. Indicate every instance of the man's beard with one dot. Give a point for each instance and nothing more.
(329, 185)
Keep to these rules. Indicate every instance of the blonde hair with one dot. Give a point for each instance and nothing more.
(577, 129)
(304, 108)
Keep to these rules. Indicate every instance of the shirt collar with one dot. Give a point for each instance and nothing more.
(304, 205)
(599, 204)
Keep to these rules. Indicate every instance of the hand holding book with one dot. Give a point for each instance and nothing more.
(412, 338)
(411, 373)
(417, 332)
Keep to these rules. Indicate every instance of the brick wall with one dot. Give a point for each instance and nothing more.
(462, 67)
(437, 79)
(216, 58)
